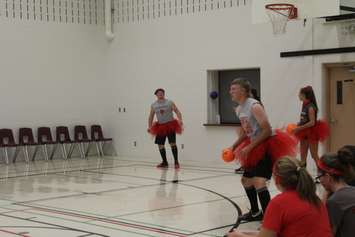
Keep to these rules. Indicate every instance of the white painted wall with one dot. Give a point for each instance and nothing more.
(172, 52)
(52, 74)
(176, 52)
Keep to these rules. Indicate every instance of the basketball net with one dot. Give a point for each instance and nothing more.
(279, 15)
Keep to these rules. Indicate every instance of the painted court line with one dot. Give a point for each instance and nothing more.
(155, 179)
(92, 224)
(120, 221)
(98, 179)
(216, 228)
(185, 205)
(201, 169)
(91, 218)
(86, 193)
(13, 233)
(109, 217)
(106, 217)
(60, 172)
(185, 165)
(113, 222)
(55, 225)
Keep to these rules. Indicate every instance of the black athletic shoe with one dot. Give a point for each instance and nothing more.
(249, 217)
(240, 170)
(163, 165)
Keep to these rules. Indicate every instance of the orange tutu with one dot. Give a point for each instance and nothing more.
(277, 146)
(317, 133)
(166, 128)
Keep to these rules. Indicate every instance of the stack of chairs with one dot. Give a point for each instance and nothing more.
(29, 147)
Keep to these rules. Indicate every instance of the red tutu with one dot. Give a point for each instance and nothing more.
(254, 156)
(317, 133)
(281, 145)
(277, 146)
(166, 128)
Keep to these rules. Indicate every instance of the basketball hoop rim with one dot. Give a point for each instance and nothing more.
(280, 6)
(279, 14)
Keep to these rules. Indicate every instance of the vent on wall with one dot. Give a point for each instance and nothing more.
(92, 11)
(127, 11)
(62, 11)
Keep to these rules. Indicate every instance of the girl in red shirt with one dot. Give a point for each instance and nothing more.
(297, 211)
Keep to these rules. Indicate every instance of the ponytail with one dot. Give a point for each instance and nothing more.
(292, 176)
(306, 188)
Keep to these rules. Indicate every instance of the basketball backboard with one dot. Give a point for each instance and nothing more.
(306, 8)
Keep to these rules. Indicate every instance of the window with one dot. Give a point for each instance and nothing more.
(221, 110)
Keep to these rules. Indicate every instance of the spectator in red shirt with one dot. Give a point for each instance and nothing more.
(297, 211)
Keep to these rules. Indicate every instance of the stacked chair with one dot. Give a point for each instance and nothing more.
(45, 142)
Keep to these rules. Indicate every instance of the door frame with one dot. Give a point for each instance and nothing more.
(326, 67)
